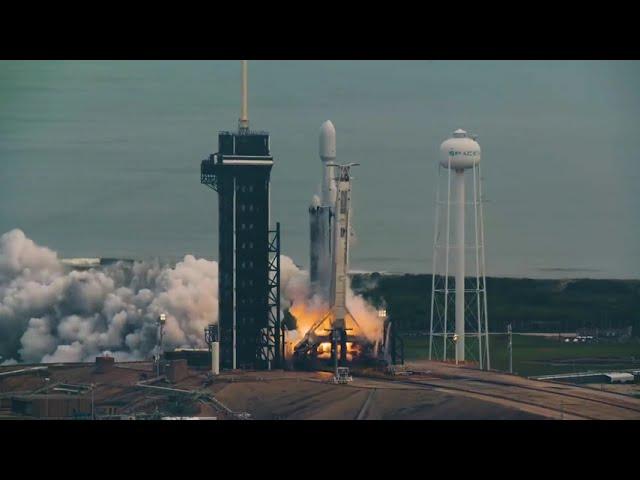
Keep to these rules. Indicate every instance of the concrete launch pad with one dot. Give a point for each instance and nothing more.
(424, 390)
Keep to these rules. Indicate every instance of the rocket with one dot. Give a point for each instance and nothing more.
(321, 216)
(330, 232)
(340, 241)
(330, 227)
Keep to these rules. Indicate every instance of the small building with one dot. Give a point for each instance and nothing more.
(590, 377)
(620, 334)
(620, 377)
(175, 370)
(110, 409)
(104, 364)
(52, 406)
(195, 357)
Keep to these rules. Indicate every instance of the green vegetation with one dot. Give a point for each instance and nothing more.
(529, 305)
(550, 306)
(533, 355)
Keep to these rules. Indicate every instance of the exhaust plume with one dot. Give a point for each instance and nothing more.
(52, 313)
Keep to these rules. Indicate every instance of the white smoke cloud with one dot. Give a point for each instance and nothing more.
(294, 283)
(21, 256)
(51, 313)
(295, 287)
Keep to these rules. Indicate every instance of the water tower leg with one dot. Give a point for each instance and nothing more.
(460, 273)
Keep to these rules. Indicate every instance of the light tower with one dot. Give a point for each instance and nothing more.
(449, 333)
(161, 322)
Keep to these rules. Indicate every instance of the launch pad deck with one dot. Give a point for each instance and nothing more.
(425, 390)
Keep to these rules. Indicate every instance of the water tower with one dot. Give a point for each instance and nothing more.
(458, 324)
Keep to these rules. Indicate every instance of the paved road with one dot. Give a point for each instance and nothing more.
(551, 399)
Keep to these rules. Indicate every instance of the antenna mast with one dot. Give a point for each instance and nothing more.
(243, 123)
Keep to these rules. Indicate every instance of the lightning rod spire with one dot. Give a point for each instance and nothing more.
(243, 123)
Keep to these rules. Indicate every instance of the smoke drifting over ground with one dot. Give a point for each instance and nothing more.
(51, 313)
(308, 309)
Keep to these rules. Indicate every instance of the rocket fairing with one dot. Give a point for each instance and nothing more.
(321, 216)
(328, 156)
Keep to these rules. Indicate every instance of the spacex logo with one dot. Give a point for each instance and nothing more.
(466, 154)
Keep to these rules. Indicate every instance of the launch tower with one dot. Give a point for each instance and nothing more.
(249, 253)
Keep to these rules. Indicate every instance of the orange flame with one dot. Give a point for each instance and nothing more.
(306, 315)
(367, 322)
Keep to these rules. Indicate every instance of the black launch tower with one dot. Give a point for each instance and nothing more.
(249, 252)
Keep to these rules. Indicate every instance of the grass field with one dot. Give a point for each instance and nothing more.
(534, 355)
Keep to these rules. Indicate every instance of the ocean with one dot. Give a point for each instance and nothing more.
(102, 158)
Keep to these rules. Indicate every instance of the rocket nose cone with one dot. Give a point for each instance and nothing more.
(328, 126)
(327, 141)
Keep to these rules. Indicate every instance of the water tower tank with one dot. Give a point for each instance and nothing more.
(460, 151)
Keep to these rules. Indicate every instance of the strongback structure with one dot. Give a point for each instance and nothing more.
(249, 252)
(338, 336)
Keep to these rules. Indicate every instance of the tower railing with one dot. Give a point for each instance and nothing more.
(208, 173)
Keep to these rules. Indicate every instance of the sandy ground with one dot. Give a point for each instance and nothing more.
(431, 391)
(306, 398)
(632, 389)
(563, 400)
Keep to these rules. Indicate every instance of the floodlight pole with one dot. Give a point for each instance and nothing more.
(510, 347)
(455, 345)
(162, 319)
(47, 396)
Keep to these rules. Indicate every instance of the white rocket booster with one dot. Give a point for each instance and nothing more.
(330, 229)
(328, 155)
(321, 216)
(341, 237)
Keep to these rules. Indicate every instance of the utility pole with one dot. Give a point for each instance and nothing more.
(455, 343)
(212, 338)
(162, 319)
(47, 396)
(510, 347)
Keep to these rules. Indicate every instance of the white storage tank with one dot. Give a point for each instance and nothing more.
(460, 152)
